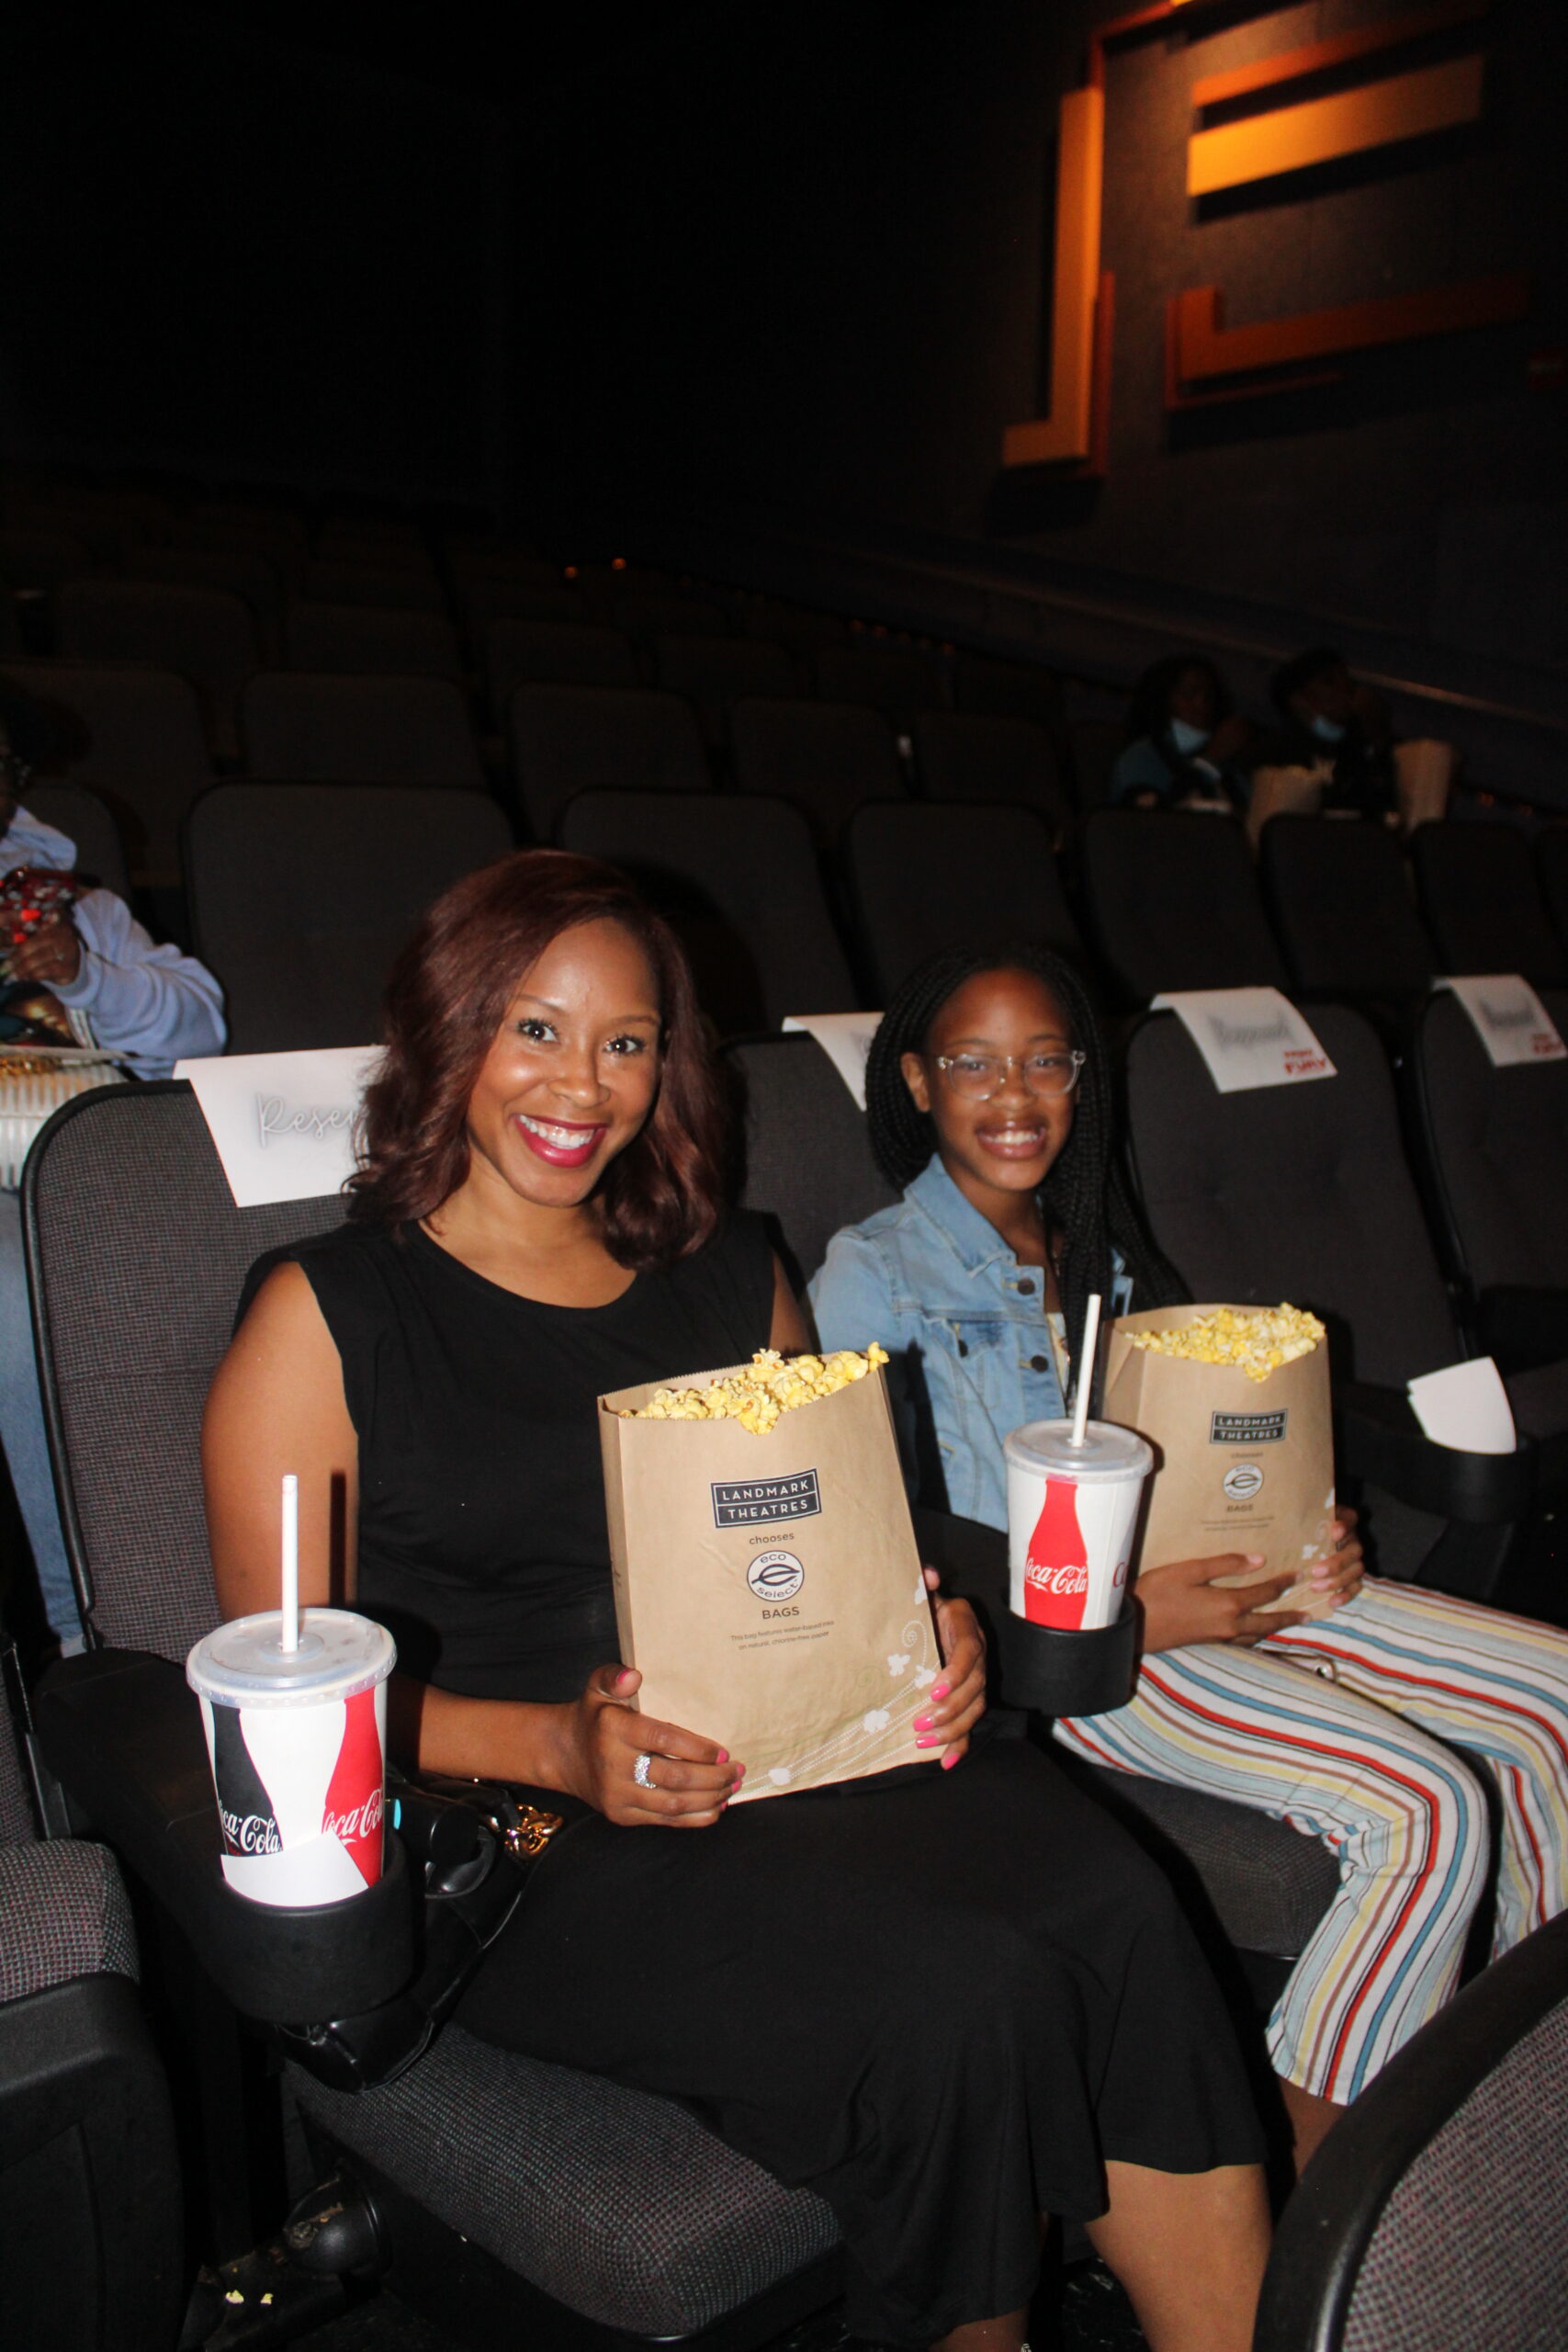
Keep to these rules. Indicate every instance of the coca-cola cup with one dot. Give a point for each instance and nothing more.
(1072, 1516)
(298, 1742)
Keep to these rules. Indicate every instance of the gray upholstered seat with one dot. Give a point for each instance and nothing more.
(1483, 903)
(738, 878)
(1434, 2220)
(308, 727)
(1173, 902)
(87, 821)
(1342, 905)
(619, 2204)
(924, 876)
(971, 755)
(566, 740)
(302, 895)
(826, 759)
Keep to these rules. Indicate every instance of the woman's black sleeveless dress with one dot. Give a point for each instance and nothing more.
(939, 1999)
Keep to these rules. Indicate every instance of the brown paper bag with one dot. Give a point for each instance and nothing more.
(769, 1588)
(1283, 791)
(1240, 1465)
(1423, 775)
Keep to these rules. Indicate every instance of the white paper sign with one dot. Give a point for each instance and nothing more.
(1509, 1018)
(1248, 1037)
(1465, 1406)
(845, 1038)
(283, 1124)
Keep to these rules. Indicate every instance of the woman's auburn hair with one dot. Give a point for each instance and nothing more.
(445, 1001)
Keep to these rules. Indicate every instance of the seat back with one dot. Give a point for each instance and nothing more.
(1299, 1191)
(1436, 2221)
(1009, 690)
(307, 726)
(1095, 743)
(808, 1163)
(248, 573)
(619, 602)
(825, 759)
(562, 654)
(715, 672)
(372, 640)
(926, 876)
(566, 740)
(966, 756)
(89, 822)
(41, 561)
(896, 680)
(405, 587)
(136, 1258)
(1343, 909)
(207, 635)
(302, 895)
(1496, 1141)
(1551, 872)
(1174, 904)
(739, 880)
(1482, 903)
(134, 736)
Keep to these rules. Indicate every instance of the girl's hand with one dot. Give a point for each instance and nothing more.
(956, 1700)
(1181, 1603)
(1337, 1576)
(693, 1779)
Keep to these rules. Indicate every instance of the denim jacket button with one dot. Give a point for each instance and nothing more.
(962, 1347)
(1026, 1287)
(1038, 1364)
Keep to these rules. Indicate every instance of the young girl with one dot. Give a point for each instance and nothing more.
(989, 1101)
(942, 1998)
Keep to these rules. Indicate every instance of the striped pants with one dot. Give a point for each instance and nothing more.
(1348, 1729)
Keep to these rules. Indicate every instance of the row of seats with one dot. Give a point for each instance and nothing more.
(298, 894)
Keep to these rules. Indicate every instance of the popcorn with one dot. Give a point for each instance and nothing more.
(770, 1384)
(1258, 1340)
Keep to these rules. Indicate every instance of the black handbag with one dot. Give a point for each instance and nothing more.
(475, 1844)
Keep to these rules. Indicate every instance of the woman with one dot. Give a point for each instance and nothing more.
(989, 1103)
(1184, 740)
(945, 2040)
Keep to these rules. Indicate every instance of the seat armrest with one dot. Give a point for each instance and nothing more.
(122, 1733)
(1521, 1327)
(1036, 1666)
(1380, 1439)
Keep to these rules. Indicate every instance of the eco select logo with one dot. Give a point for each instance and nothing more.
(1247, 1429)
(750, 1502)
(775, 1575)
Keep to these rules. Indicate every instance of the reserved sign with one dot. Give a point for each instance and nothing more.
(283, 1124)
(845, 1038)
(1248, 1037)
(1509, 1018)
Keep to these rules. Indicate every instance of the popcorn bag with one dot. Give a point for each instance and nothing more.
(1244, 1457)
(767, 1581)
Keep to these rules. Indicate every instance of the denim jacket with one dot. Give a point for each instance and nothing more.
(973, 1355)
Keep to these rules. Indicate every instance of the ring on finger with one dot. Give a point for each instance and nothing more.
(642, 1771)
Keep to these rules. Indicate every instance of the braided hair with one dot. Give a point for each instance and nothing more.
(1086, 1196)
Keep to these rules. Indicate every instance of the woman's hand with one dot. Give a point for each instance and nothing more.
(691, 1779)
(956, 1700)
(1181, 1603)
(51, 952)
(1338, 1577)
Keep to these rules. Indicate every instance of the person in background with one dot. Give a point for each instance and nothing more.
(990, 1104)
(1326, 717)
(148, 1006)
(1185, 740)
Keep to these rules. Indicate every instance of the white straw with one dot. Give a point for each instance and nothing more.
(289, 1637)
(1086, 1367)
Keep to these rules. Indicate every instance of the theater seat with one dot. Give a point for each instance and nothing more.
(307, 726)
(1173, 903)
(1344, 909)
(924, 876)
(968, 756)
(1482, 904)
(827, 759)
(522, 2203)
(89, 2170)
(1496, 1143)
(89, 821)
(372, 640)
(1303, 1193)
(205, 635)
(565, 740)
(1434, 2220)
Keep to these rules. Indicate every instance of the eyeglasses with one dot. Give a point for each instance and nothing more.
(979, 1076)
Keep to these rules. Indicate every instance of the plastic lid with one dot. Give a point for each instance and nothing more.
(1108, 1451)
(243, 1664)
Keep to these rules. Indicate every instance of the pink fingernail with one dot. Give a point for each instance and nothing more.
(1255, 1559)
(922, 1722)
(950, 1760)
(740, 1774)
(724, 1755)
(929, 1740)
(938, 1689)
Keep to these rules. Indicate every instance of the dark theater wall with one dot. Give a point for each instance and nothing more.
(800, 256)
(221, 253)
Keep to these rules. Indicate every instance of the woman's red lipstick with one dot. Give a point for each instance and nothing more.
(548, 1137)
